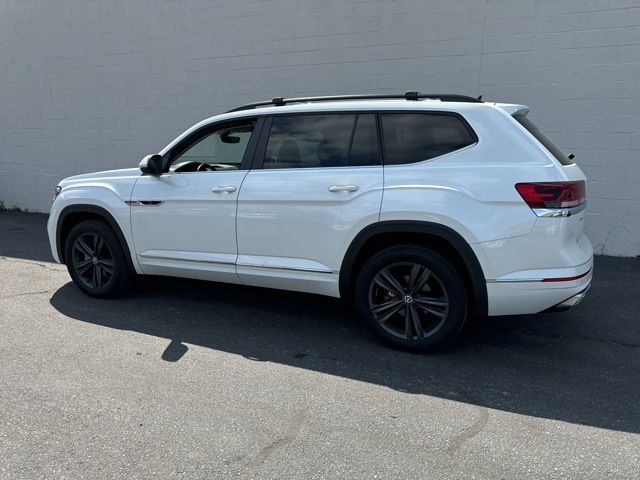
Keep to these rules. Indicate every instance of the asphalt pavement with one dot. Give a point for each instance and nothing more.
(186, 379)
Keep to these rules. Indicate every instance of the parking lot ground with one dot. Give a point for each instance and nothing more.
(185, 379)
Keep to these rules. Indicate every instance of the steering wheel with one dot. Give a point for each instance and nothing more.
(205, 167)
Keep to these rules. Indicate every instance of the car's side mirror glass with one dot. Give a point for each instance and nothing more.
(152, 164)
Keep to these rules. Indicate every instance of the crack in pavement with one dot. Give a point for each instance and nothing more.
(51, 266)
(471, 431)
(290, 434)
(39, 292)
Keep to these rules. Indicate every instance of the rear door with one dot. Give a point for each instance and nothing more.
(317, 181)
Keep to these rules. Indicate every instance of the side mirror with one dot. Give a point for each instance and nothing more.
(152, 164)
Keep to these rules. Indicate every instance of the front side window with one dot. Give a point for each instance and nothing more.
(414, 137)
(319, 140)
(220, 149)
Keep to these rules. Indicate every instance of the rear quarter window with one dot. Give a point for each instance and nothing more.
(414, 137)
(543, 139)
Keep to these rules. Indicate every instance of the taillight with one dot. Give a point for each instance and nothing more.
(553, 194)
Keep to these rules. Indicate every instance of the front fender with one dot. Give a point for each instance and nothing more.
(95, 200)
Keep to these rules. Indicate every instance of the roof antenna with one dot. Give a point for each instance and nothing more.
(480, 98)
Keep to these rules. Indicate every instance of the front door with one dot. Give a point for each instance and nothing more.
(183, 221)
(318, 182)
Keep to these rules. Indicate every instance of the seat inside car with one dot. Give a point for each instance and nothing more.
(288, 155)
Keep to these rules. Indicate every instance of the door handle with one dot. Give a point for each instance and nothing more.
(344, 188)
(224, 189)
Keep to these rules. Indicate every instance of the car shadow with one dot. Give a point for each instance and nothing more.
(566, 367)
(581, 366)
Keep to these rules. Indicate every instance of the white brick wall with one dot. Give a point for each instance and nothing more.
(89, 85)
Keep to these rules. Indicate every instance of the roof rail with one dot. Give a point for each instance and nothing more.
(411, 96)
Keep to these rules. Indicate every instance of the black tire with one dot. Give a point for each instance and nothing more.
(440, 304)
(103, 275)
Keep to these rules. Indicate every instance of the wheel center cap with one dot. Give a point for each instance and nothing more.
(408, 299)
(95, 260)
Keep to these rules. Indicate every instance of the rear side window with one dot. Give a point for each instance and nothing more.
(543, 139)
(414, 137)
(322, 140)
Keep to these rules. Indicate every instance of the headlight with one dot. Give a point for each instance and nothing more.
(56, 192)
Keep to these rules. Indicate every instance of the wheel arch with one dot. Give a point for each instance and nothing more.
(380, 235)
(73, 214)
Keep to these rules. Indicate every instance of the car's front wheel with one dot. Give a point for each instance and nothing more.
(95, 259)
(411, 297)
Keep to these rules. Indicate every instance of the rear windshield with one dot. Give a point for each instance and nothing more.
(543, 139)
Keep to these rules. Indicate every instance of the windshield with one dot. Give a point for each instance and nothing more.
(543, 139)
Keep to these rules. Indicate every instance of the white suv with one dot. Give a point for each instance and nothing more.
(421, 209)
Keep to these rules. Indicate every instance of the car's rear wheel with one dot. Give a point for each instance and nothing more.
(412, 298)
(95, 259)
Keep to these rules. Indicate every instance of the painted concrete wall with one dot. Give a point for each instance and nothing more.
(93, 85)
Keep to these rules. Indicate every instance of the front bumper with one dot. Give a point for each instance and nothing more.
(52, 225)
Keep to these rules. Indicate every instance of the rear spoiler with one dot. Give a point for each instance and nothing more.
(513, 109)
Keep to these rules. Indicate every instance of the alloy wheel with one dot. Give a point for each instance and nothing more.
(92, 261)
(408, 300)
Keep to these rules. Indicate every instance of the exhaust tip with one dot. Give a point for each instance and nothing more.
(569, 303)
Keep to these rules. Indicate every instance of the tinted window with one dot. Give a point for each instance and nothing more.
(365, 148)
(543, 139)
(413, 137)
(305, 141)
(224, 147)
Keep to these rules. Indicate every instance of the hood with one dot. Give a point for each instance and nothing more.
(107, 175)
(120, 182)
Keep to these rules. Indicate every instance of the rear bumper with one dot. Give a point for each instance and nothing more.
(570, 302)
(513, 297)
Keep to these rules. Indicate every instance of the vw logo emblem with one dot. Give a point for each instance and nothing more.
(408, 299)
